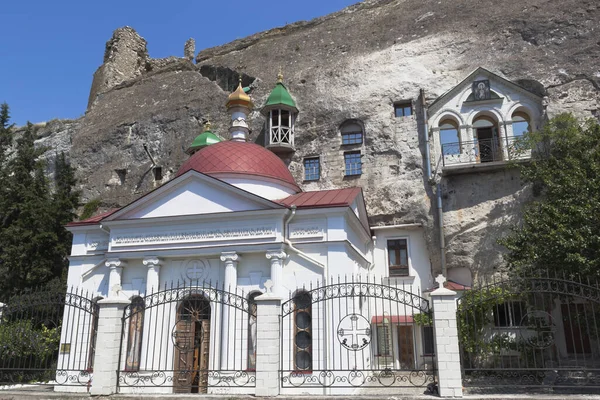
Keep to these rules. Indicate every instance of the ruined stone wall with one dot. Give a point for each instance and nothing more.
(350, 65)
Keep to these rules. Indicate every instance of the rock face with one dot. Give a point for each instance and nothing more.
(353, 64)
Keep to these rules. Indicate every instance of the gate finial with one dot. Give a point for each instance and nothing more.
(441, 279)
(269, 286)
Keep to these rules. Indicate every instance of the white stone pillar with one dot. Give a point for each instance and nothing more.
(152, 275)
(108, 341)
(446, 340)
(268, 341)
(230, 259)
(277, 258)
(502, 141)
(114, 278)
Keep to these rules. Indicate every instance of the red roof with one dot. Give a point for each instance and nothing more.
(451, 285)
(95, 219)
(239, 158)
(322, 198)
(394, 319)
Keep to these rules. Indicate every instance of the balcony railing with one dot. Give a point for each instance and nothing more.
(485, 151)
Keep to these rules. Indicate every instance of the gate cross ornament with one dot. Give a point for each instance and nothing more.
(356, 328)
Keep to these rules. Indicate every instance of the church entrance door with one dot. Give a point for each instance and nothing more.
(192, 345)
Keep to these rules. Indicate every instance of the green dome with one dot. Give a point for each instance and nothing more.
(280, 96)
(204, 139)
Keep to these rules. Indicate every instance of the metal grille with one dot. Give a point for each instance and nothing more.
(188, 339)
(355, 333)
(531, 334)
(47, 337)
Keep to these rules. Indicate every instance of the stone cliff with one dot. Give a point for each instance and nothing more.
(355, 63)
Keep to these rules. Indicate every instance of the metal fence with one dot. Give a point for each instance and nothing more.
(47, 337)
(188, 339)
(531, 334)
(356, 333)
(485, 150)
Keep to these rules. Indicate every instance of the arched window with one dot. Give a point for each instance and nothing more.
(252, 330)
(520, 124)
(486, 132)
(134, 339)
(93, 333)
(352, 132)
(449, 137)
(302, 331)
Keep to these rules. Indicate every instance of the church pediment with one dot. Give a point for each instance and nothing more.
(192, 194)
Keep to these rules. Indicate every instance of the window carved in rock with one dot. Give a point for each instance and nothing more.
(353, 163)
(312, 169)
(352, 133)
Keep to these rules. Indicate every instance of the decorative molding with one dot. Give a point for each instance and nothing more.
(152, 261)
(196, 270)
(306, 231)
(276, 255)
(214, 234)
(115, 263)
(96, 242)
(230, 257)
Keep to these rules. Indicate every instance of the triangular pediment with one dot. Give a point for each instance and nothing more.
(498, 88)
(193, 193)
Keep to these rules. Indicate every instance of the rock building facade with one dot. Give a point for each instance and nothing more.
(351, 70)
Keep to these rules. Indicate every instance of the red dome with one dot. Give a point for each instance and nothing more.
(242, 158)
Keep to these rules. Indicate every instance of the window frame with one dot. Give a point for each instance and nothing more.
(252, 314)
(408, 259)
(346, 170)
(354, 137)
(318, 175)
(402, 105)
(423, 334)
(137, 316)
(309, 330)
(381, 327)
(455, 127)
(509, 306)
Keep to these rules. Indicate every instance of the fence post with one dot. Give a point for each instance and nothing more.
(108, 342)
(268, 344)
(446, 340)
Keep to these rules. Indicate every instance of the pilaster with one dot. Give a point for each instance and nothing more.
(277, 258)
(230, 259)
(114, 278)
(152, 275)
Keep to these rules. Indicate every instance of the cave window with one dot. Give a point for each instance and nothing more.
(403, 109)
(312, 169)
(157, 174)
(352, 133)
(353, 163)
(121, 174)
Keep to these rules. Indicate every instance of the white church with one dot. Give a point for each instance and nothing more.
(231, 279)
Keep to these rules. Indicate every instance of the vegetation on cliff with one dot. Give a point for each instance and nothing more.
(560, 232)
(33, 241)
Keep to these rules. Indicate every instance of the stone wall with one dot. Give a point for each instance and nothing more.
(353, 64)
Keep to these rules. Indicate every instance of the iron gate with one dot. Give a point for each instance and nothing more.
(355, 334)
(530, 333)
(188, 339)
(47, 337)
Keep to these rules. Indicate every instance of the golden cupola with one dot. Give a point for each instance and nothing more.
(239, 98)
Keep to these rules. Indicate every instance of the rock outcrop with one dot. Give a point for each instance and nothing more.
(352, 64)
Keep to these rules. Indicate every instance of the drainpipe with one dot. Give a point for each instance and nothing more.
(441, 218)
(426, 132)
(286, 226)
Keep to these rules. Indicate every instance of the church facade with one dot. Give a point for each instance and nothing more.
(193, 267)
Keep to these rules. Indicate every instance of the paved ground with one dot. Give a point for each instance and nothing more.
(33, 394)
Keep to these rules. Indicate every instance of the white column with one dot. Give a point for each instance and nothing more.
(267, 345)
(277, 258)
(446, 340)
(108, 341)
(152, 281)
(502, 141)
(230, 259)
(114, 278)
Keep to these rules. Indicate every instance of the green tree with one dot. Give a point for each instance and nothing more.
(560, 232)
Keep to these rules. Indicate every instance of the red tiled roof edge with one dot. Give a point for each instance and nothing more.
(95, 219)
(322, 198)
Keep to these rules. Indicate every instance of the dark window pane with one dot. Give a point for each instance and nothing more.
(303, 340)
(449, 141)
(402, 109)
(428, 347)
(352, 138)
(303, 320)
(303, 360)
(285, 118)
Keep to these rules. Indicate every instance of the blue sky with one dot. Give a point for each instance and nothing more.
(49, 50)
